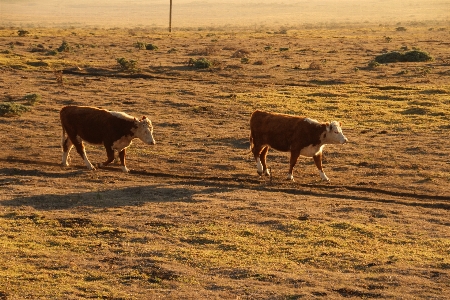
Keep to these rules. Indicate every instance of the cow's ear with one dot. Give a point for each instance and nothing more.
(328, 125)
(340, 124)
(144, 117)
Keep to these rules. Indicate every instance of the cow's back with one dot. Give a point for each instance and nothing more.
(90, 123)
(277, 130)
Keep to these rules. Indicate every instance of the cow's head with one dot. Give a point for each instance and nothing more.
(334, 133)
(144, 130)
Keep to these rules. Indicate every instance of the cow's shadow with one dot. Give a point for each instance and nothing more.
(129, 196)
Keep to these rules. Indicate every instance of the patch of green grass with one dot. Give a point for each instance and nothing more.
(10, 109)
(32, 99)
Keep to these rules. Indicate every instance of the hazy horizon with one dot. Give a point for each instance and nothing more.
(188, 13)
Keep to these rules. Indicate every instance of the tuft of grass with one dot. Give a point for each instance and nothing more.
(32, 99)
(65, 47)
(22, 32)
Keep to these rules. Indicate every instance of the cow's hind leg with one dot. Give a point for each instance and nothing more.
(78, 143)
(67, 146)
(263, 158)
(256, 153)
(318, 161)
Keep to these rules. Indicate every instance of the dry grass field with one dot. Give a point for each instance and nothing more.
(193, 220)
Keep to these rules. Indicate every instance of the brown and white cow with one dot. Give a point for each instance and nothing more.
(298, 135)
(114, 130)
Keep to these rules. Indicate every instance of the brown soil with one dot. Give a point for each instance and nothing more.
(192, 219)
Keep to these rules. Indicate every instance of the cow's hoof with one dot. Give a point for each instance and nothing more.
(259, 173)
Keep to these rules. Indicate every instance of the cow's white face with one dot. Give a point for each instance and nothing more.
(144, 131)
(334, 134)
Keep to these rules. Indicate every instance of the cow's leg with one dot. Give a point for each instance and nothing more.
(67, 146)
(256, 153)
(110, 154)
(78, 143)
(122, 161)
(263, 156)
(292, 162)
(318, 161)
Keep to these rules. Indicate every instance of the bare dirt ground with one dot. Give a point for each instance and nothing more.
(192, 219)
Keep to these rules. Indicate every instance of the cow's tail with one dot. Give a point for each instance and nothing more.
(251, 142)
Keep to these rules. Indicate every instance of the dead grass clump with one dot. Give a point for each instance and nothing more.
(207, 51)
(145, 46)
(315, 66)
(240, 53)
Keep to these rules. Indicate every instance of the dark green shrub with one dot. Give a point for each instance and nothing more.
(410, 56)
(416, 56)
(127, 65)
(201, 63)
(151, 47)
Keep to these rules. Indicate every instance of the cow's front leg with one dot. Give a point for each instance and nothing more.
(292, 162)
(263, 157)
(110, 154)
(318, 161)
(122, 161)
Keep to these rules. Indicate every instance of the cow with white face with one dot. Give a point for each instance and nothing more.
(114, 130)
(294, 134)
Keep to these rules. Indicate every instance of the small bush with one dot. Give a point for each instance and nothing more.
(140, 45)
(201, 63)
(151, 47)
(32, 99)
(401, 28)
(127, 65)
(22, 32)
(10, 109)
(64, 47)
(410, 56)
